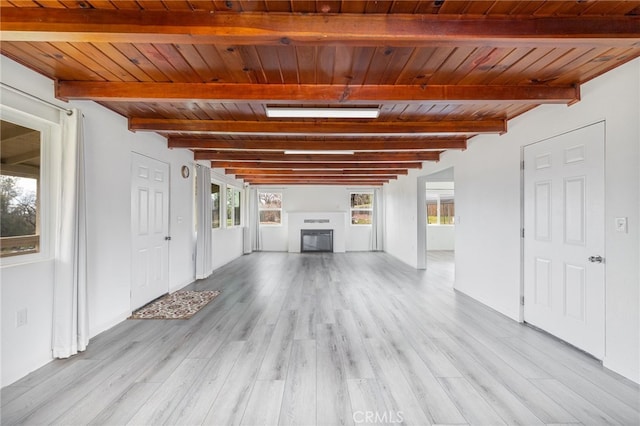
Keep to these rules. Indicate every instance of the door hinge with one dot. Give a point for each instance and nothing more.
(522, 165)
(521, 300)
(522, 233)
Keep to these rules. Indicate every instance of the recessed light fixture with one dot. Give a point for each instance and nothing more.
(285, 112)
(319, 152)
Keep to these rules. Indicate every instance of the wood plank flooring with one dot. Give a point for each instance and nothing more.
(326, 339)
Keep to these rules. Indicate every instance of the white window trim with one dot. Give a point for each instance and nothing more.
(226, 218)
(220, 199)
(50, 155)
(438, 198)
(351, 209)
(271, 225)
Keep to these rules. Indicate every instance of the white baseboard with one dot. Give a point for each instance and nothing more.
(94, 331)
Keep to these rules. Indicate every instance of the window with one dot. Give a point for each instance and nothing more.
(361, 208)
(233, 207)
(440, 207)
(270, 208)
(19, 189)
(215, 205)
(447, 210)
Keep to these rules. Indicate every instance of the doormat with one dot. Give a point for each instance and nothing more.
(178, 305)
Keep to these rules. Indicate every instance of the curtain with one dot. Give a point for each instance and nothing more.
(254, 220)
(377, 221)
(204, 256)
(70, 314)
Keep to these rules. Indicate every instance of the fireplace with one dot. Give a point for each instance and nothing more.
(332, 224)
(316, 240)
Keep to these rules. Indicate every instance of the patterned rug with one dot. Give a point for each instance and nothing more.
(178, 305)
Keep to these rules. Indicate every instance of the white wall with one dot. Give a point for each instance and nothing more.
(227, 243)
(441, 237)
(108, 162)
(488, 208)
(401, 207)
(314, 199)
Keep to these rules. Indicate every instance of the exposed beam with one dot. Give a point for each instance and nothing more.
(322, 178)
(398, 144)
(315, 166)
(341, 172)
(327, 176)
(335, 128)
(357, 157)
(309, 93)
(318, 181)
(21, 170)
(284, 29)
(22, 158)
(301, 182)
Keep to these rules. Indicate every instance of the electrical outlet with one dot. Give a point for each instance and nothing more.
(21, 317)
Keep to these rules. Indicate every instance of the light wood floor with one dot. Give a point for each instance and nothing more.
(355, 338)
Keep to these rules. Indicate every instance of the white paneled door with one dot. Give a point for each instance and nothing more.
(564, 284)
(150, 229)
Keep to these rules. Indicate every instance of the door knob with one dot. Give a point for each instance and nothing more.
(596, 259)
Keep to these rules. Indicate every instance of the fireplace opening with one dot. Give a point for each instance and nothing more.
(316, 240)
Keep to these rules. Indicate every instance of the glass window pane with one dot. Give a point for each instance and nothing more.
(432, 212)
(361, 217)
(270, 200)
(270, 217)
(229, 207)
(447, 212)
(215, 205)
(361, 201)
(236, 208)
(19, 189)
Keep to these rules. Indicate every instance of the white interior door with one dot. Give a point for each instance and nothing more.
(150, 228)
(564, 285)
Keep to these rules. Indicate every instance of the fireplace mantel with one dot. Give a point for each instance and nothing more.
(337, 221)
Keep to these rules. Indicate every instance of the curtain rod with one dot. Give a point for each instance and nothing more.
(29, 95)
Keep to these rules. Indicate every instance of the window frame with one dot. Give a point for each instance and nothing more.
(48, 182)
(233, 190)
(351, 209)
(260, 209)
(435, 195)
(220, 186)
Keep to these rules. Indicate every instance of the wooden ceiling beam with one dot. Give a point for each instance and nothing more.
(341, 172)
(22, 158)
(371, 144)
(313, 166)
(319, 181)
(302, 182)
(284, 29)
(302, 175)
(322, 178)
(319, 127)
(308, 93)
(357, 157)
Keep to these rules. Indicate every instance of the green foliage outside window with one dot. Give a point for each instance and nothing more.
(361, 208)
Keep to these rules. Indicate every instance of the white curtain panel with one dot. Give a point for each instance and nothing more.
(70, 314)
(254, 220)
(204, 255)
(377, 221)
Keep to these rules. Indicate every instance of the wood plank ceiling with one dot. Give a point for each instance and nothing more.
(202, 73)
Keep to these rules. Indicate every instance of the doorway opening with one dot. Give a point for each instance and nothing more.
(436, 224)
